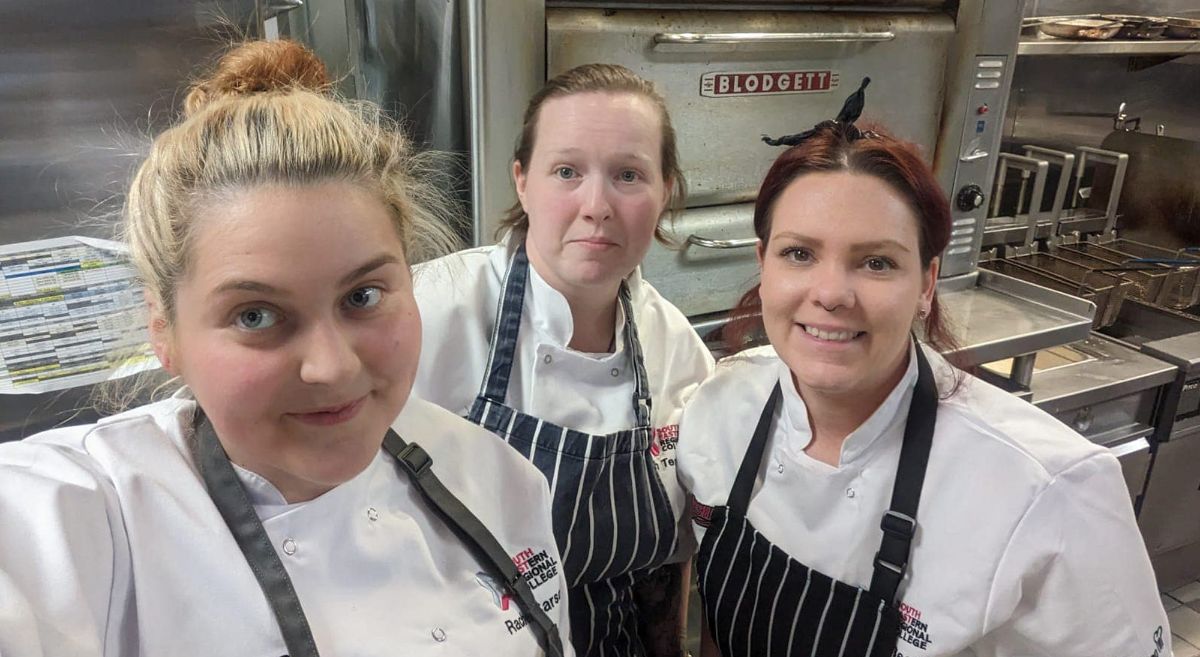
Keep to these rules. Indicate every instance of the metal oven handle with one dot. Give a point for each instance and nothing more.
(758, 38)
(708, 243)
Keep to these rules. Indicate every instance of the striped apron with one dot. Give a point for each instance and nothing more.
(759, 601)
(612, 518)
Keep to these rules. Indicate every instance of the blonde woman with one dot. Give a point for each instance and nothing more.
(552, 340)
(291, 498)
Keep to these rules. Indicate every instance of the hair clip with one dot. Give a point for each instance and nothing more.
(851, 110)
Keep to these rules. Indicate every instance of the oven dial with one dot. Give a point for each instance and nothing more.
(969, 198)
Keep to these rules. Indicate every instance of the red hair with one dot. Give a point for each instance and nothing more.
(875, 153)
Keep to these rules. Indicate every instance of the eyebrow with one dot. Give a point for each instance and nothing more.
(263, 288)
(620, 156)
(874, 245)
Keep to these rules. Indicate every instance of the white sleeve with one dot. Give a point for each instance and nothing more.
(1075, 580)
(63, 582)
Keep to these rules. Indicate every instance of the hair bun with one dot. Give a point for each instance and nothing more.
(258, 67)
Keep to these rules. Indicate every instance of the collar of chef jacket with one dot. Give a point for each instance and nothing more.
(548, 310)
(880, 423)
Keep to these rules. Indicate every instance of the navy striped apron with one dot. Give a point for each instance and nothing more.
(612, 518)
(759, 601)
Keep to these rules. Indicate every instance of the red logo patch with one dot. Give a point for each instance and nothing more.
(701, 513)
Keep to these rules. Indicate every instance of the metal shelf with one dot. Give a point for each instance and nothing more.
(1051, 46)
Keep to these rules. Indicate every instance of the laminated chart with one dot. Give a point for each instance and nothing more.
(71, 313)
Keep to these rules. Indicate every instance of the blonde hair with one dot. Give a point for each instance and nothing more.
(600, 78)
(266, 116)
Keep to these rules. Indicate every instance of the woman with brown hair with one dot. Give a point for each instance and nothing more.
(552, 340)
(274, 505)
(807, 459)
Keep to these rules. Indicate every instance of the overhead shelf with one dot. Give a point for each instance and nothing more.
(1042, 45)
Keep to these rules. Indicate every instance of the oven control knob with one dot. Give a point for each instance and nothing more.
(969, 198)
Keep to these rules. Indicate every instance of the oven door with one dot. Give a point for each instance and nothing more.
(730, 77)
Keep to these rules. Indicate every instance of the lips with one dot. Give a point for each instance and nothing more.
(594, 242)
(330, 415)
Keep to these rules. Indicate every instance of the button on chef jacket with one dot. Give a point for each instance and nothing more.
(1026, 543)
(458, 295)
(110, 546)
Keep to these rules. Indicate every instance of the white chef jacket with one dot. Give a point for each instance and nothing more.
(110, 545)
(458, 296)
(1026, 543)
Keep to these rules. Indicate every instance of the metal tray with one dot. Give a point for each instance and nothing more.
(1106, 310)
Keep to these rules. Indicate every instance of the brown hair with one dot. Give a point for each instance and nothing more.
(875, 153)
(599, 78)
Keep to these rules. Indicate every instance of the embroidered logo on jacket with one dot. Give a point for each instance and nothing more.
(537, 568)
(663, 440)
(500, 597)
(913, 631)
(701, 513)
(1158, 642)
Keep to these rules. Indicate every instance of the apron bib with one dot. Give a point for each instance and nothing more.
(760, 602)
(612, 517)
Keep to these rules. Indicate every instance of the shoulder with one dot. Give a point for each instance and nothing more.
(981, 419)
(72, 454)
(718, 420)
(460, 269)
(469, 455)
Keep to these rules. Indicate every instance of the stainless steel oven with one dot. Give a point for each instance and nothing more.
(940, 74)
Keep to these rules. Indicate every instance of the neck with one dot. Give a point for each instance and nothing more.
(594, 320)
(833, 417)
(293, 489)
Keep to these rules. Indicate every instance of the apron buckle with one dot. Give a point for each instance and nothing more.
(899, 525)
(415, 459)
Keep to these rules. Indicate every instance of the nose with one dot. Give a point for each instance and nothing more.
(329, 357)
(832, 286)
(595, 204)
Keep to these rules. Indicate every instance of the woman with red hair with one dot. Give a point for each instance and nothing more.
(811, 541)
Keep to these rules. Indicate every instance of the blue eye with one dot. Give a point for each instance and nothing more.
(565, 173)
(365, 297)
(629, 176)
(256, 319)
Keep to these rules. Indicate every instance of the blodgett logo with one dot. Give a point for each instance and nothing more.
(770, 83)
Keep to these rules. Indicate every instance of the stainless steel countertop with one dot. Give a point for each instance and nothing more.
(1111, 370)
(1001, 317)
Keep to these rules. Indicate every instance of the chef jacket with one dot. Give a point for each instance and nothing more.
(458, 295)
(110, 545)
(1026, 543)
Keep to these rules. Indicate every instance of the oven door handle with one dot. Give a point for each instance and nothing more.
(759, 38)
(709, 243)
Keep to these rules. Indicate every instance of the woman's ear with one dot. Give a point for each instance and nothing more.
(519, 180)
(161, 338)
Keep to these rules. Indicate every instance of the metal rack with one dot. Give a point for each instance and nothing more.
(1041, 45)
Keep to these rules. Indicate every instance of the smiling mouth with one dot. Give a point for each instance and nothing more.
(832, 336)
(331, 415)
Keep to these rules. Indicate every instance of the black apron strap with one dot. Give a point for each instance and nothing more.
(633, 347)
(419, 465)
(508, 326)
(899, 523)
(231, 500)
(743, 485)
